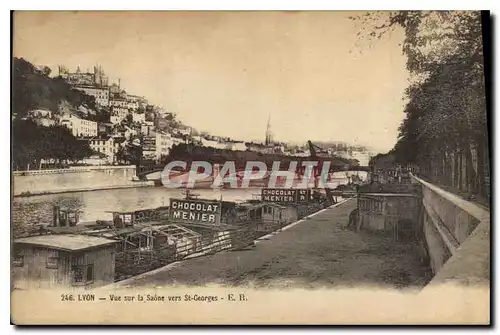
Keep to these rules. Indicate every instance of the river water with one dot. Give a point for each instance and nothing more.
(28, 212)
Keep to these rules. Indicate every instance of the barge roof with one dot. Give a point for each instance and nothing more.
(66, 242)
(390, 194)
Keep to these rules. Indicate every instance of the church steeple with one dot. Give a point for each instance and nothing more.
(268, 131)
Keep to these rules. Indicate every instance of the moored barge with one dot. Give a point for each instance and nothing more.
(147, 239)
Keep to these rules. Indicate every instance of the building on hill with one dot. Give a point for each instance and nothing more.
(95, 78)
(104, 128)
(146, 129)
(157, 144)
(148, 144)
(125, 132)
(45, 122)
(184, 131)
(179, 139)
(132, 105)
(115, 119)
(79, 127)
(39, 113)
(117, 101)
(236, 146)
(120, 112)
(101, 94)
(42, 117)
(138, 117)
(259, 147)
(77, 78)
(209, 143)
(163, 144)
(134, 102)
(114, 89)
(86, 111)
(106, 145)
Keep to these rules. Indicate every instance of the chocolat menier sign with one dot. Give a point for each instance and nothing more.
(195, 211)
(286, 196)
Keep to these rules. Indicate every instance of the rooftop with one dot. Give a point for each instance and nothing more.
(67, 242)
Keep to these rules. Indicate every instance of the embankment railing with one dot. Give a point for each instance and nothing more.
(72, 169)
(457, 232)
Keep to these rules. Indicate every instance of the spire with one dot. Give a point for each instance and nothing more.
(268, 130)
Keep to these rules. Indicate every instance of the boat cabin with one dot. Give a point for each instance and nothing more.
(248, 212)
(273, 212)
(65, 217)
(66, 260)
(123, 219)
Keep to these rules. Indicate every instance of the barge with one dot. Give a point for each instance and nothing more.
(147, 239)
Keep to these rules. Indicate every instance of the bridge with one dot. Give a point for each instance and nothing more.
(145, 170)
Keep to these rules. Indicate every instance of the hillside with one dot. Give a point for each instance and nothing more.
(32, 88)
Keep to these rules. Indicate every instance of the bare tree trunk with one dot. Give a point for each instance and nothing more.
(453, 168)
(460, 171)
(469, 171)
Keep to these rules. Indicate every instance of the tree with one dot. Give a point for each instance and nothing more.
(33, 143)
(33, 88)
(445, 125)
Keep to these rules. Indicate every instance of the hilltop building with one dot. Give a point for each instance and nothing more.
(95, 78)
(101, 94)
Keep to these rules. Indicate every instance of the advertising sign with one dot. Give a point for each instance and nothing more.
(286, 196)
(304, 196)
(195, 211)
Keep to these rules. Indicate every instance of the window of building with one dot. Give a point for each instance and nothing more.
(52, 263)
(83, 274)
(18, 259)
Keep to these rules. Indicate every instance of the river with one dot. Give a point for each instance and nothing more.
(27, 212)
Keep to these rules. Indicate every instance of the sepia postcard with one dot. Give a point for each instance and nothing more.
(250, 168)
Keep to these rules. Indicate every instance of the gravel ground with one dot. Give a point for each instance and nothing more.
(317, 252)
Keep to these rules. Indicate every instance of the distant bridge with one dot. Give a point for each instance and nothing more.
(144, 170)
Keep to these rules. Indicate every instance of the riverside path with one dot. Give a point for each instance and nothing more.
(316, 251)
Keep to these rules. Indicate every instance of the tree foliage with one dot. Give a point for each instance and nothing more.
(33, 143)
(445, 122)
(32, 88)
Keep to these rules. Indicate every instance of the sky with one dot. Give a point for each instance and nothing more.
(228, 72)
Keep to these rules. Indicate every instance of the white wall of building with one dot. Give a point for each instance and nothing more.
(213, 144)
(101, 95)
(105, 146)
(118, 102)
(80, 127)
(237, 146)
(139, 117)
(115, 119)
(132, 104)
(163, 144)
